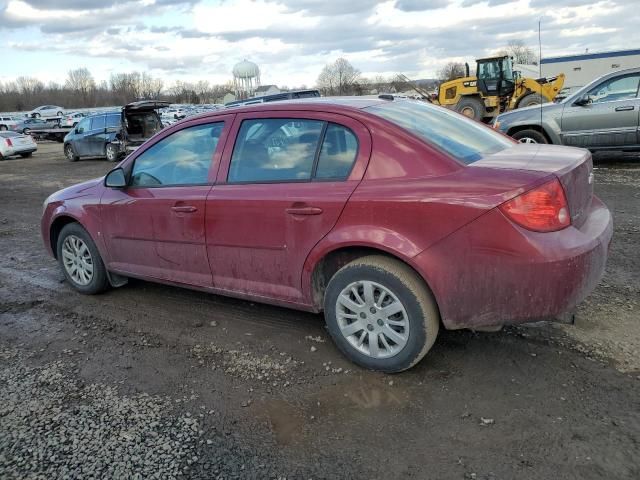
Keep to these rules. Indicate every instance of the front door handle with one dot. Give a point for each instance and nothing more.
(626, 108)
(304, 211)
(184, 209)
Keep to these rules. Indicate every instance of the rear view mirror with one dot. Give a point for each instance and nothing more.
(115, 179)
(583, 100)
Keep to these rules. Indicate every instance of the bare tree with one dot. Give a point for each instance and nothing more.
(520, 53)
(451, 71)
(338, 78)
(81, 82)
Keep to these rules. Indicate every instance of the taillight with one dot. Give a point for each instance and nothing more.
(9, 144)
(543, 209)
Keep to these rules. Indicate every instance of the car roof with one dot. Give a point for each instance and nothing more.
(319, 104)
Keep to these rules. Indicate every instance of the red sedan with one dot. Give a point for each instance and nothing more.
(394, 217)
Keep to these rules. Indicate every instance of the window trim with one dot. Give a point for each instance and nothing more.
(132, 165)
(615, 79)
(316, 158)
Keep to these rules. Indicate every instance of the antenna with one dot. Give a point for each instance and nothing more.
(540, 65)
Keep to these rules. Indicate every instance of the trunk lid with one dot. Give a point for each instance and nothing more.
(572, 166)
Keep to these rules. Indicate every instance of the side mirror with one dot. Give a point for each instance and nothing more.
(115, 179)
(582, 101)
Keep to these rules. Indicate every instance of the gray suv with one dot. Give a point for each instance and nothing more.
(603, 115)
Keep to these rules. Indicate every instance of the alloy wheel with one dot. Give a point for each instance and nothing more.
(372, 319)
(77, 260)
(527, 140)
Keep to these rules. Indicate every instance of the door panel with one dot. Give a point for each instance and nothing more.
(260, 234)
(158, 232)
(611, 120)
(156, 226)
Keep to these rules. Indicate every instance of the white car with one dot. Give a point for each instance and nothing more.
(71, 119)
(46, 111)
(7, 123)
(14, 143)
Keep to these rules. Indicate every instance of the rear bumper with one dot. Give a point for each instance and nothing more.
(492, 272)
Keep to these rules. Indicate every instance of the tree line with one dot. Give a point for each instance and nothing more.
(80, 90)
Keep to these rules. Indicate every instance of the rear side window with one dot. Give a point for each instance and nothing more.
(272, 150)
(462, 138)
(113, 121)
(292, 150)
(182, 158)
(338, 153)
(97, 122)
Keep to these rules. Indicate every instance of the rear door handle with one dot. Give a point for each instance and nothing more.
(626, 108)
(304, 211)
(184, 209)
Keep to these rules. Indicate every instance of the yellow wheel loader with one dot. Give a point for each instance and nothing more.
(495, 89)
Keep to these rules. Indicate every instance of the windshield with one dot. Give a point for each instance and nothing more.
(463, 139)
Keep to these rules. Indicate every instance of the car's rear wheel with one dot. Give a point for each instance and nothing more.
(111, 152)
(68, 152)
(3, 127)
(80, 260)
(530, 136)
(26, 131)
(59, 114)
(381, 314)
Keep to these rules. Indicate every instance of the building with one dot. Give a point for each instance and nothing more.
(582, 69)
(263, 90)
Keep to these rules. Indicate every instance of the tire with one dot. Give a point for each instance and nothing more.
(530, 100)
(530, 136)
(68, 152)
(26, 131)
(75, 248)
(36, 115)
(471, 107)
(111, 152)
(58, 114)
(26, 155)
(3, 127)
(404, 288)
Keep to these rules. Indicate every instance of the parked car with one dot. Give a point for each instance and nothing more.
(602, 115)
(113, 135)
(26, 125)
(46, 111)
(71, 119)
(7, 123)
(276, 97)
(13, 143)
(392, 217)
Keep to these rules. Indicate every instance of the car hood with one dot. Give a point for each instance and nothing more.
(77, 190)
(530, 112)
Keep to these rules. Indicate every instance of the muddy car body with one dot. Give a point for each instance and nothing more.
(392, 217)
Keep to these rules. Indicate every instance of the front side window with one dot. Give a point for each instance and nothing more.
(83, 126)
(183, 158)
(462, 138)
(622, 88)
(275, 149)
(98, 123)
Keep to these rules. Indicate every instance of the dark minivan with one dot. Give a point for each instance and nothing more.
(114, 134)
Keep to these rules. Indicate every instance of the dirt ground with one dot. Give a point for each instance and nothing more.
(149, 381)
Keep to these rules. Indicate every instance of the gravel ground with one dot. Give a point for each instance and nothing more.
(149, 380)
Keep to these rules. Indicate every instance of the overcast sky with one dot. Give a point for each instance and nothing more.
(291, 40)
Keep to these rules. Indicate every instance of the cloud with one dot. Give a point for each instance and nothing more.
(420, 5)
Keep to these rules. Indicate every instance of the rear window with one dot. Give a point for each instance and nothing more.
(462, 138)
(113, 121)
(97, 122)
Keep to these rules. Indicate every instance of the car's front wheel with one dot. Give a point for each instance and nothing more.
(381, 314)
(530, 136)
(80, 260)
(3, 127)
(68, 152)
(36, 115)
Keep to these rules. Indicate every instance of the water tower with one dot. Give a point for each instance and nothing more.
(246, 78)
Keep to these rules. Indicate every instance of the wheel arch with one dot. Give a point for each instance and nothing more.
(56, 227)
(537, 128)
(321, 270)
